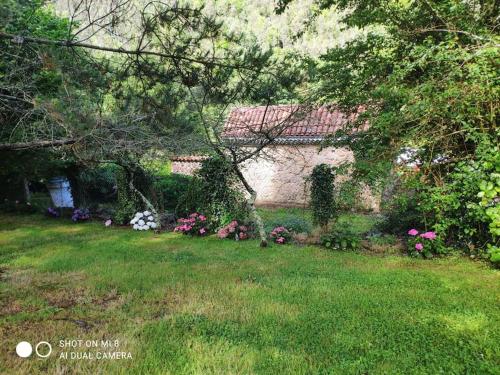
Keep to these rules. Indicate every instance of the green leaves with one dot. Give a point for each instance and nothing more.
(322, 194)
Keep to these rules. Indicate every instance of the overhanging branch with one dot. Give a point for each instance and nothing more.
(35, 144)
(19, 39)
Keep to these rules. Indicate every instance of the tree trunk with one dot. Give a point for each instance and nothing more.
(251, 206)
(148, 204)
(27, 194)
(257, 219)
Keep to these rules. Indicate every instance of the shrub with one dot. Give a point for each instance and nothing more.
(194, 225)
(192, 199)
(96, 185)
(462, 206)
(127, 202)
(322, 194)
(281, 235)
(293, 224)
(170, 189)
(342, 237)
(215, 191)
(52, 212)
(80, 214)
(424, 244)
(234, 231)
(143, 221)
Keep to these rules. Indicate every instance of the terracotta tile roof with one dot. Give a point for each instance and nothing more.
(287, 121)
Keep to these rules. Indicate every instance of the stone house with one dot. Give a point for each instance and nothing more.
(278, 175)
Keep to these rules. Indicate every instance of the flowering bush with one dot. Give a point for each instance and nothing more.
(234, 231)
(143, 221)
(281, 235)
(423, 244)
(80, 214)
(52, 212)
(194, 225)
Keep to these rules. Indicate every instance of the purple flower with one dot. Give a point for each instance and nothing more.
(419, 246)
(413, 232)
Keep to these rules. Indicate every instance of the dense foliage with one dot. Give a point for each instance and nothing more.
(322, 194)
(221, 198)
(425, 80)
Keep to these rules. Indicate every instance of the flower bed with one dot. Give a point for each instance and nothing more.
(281, 235)
(234, 231)
(194, 225)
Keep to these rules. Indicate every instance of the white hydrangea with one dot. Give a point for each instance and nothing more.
(143, 221)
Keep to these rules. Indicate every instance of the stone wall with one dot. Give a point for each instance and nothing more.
(279, 174)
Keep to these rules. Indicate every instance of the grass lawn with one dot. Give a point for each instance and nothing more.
(204, 306)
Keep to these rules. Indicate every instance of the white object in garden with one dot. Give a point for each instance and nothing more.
(60, 191)
(143, 221)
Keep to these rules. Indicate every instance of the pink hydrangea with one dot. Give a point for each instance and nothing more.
(202, 218)
(202, 231)
(413, 232)
(419, 246)
(222, 233)
(280, 240)
(428, 235)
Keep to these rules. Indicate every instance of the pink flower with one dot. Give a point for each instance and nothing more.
(428, 235)
(222, 233)
(243, 236)
(202, 218)
(202, 230)
(194, 214)
(243, 228)
(280, 240)
(108, 222)
(233, 224)
(413, 232)
(419, 246)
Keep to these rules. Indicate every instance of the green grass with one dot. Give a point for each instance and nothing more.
(205, 306)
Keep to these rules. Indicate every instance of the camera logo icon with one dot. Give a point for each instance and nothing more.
(24, 349)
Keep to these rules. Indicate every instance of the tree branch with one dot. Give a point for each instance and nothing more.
(19, 39)
(35, 144)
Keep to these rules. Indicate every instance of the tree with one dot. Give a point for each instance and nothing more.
(424, 85)
(174, 53)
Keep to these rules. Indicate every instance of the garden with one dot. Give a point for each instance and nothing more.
(183, 304)
(249, 187)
